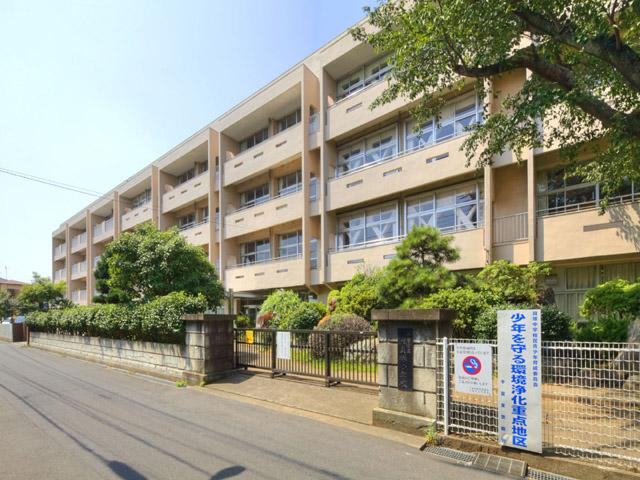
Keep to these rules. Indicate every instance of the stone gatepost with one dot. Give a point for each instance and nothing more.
(407, 364)
(209, 345)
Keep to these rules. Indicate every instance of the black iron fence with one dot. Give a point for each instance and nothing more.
(337, 357)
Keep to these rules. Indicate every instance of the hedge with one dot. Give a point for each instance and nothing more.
(159, 320)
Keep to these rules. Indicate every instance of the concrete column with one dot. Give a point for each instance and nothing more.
(117, 215)
(531, 204)
(209, 337)
(407, 364)
(212, 153)
(89, 258)
(488, 212)
(67, 259)
(156, 196)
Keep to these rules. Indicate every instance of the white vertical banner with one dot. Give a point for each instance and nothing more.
(520, 379)
(283, 345)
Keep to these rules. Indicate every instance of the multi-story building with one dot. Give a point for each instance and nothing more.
(302, 184)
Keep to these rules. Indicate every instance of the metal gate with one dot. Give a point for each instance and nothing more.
(590, 400)
(349, 357)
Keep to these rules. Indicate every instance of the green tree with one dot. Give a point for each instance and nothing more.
(281, 304)
(146, 263)
(507, 282)
(359, 295)
(583, 56)
(616, 297)
(41, 295)
(7, 305)
(418, 267)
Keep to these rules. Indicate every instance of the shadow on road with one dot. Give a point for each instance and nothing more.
(124, 471)
(228, 472)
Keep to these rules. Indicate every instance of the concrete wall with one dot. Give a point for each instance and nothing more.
(166, 360)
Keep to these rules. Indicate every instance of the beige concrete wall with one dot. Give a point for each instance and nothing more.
(274, 274)
(186, 193)
(158, 358)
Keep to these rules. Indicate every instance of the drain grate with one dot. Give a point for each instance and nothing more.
(535, 474)
(503, 465)
(457, 455)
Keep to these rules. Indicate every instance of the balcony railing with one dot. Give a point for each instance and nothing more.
(78, 296)
(79, 240)
(288, 191)
(268, 260)
(191, 225)
(103, 227)
(590, 205)
(510, 228)
(313, 189)
(60, 275)
(60, 250)
(79, 267)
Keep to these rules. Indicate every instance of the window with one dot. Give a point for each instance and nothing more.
(456, 117)
(449, 210)
(141, 199)
(290, 244)
(366, 75)
(252, 252)
(187, 221)
(376, 71)
(290, 183)
(313, 188)
(255, 196)
(558, 193)
(186, 176)
(202, 167)
(367, 151)
(369, 226)
(254, 139)
(204, 214)
(313, 253)
(288, 121)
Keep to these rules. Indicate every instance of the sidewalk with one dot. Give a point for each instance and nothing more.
(342, 401)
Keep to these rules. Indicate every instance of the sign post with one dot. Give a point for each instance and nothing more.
(473, 368)
(519, 379)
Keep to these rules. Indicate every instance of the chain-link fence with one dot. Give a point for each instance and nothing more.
(590, 400)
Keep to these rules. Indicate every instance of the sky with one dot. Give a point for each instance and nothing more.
(93, 91)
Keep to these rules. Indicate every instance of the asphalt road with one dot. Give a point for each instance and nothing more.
(62, 418)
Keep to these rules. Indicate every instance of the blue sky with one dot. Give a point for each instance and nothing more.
(92, 91)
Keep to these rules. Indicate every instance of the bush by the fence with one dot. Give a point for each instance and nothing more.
(610, 327)
(556, 325)
(304, 317)
(340, 323)
(157, 321)
(613, 297)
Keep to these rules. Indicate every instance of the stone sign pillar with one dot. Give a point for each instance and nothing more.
(209, 339)
(407, 363)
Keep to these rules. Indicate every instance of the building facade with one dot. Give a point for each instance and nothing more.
(302, 184)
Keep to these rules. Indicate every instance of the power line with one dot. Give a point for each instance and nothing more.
(52, 183)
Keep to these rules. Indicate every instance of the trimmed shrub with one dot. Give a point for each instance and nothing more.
(610, 327)
(467, 303)
(338, 322)
(281, 303)
(159, 320)
(243, 321)
(305, 316)
(614, 297)
(359, 295)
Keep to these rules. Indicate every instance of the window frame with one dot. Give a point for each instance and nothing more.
(297, 246)
(364, 214)
(256, 244)
(256, 200)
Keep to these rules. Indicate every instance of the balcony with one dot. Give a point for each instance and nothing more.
(276, 211)
(275, 273)
(343, 264)
(79, 296)
(314, 131)
(60, 251)
(511, 239)
(103, 231)
(60, 275)
(79, 270)
(269, 154)
(138, 215)
(584, 233)
(398, 173)
(197, 233)
(186, 193)
(352, 112)
(79, 242)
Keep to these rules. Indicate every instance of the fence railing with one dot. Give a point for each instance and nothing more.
(349, 357)
(510, 228)
(590, 400)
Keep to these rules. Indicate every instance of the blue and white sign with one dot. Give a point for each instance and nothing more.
(473, 368)
(520, 379)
